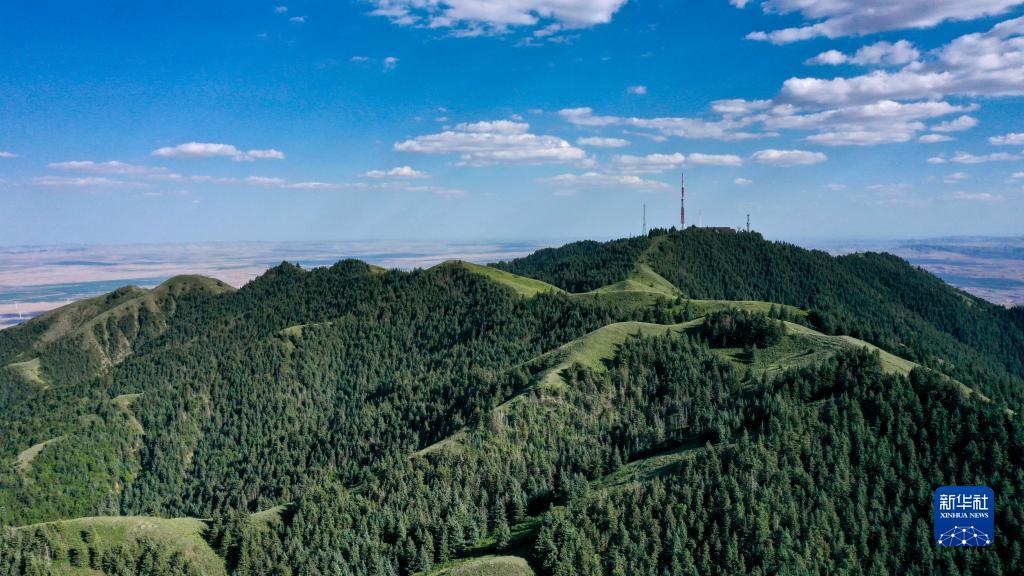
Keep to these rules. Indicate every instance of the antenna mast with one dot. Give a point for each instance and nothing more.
(748, 222)
(682, 201)
(645, 219)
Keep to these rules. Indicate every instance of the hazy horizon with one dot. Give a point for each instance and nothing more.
(34, 279)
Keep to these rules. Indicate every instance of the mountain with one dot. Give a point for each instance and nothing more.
(691, 402)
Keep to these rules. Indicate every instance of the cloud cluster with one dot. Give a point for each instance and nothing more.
(214, 150)
(5, 154)
(656, 163)
(478, 17)
(1011, 139)
(501, 141)
(840, 18)
(881, 122)
(98, 182)
(275, 182)
(877, 54)
(111, 167)
(975, 196)
(605, 180)
(968, 158)
(729, 127)
(599, 142)
(902, 100)
(788, 158)
(979, 64)
(398, 173)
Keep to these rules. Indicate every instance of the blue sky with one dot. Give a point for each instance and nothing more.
(132, 122)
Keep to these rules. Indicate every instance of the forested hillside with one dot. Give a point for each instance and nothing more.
(876, 297)
(682, 403)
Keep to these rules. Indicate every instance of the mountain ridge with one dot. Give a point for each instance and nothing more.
(440, 416)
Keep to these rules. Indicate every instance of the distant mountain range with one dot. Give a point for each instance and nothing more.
(36, 279)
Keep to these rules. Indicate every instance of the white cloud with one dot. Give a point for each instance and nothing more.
(501, 141)
(495, 127)
(877, 54)
(5, 154)
(1011, 139)
(727, 128)
(599, 180)
(400, 172)
(788, 158)
(890, 188)
(968, 158)
(359, 59)
(435, 190)
(265, 181)
(934, 138)
(839, 18)
(962, 123)
(390, 63)
(316, 186)
(698, 159)
(83, 182)
(742, 182)
(836, 187)
(281, 183)
(637, 90)
(269, 154)
(739, 106)
(112, 167)
(213, 150)
(880, 122)
(656, 163)
(886, 54)
(955, 177)
(478, 17)
(980, 64)
(829, 58)
(280, 9)
(649, 164)
(602, 142)
(585, 117)
(975, 196)
(298, 19)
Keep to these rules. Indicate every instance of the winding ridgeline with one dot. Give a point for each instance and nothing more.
(684, 403)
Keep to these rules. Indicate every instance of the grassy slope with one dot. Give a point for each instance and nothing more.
(643, 279)
(25, 458)
(124, 402)
(84, 319)
(29, 371)
(180, 534)
(266, 518)
(484, 566)
(595, 349)
(524, 286)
